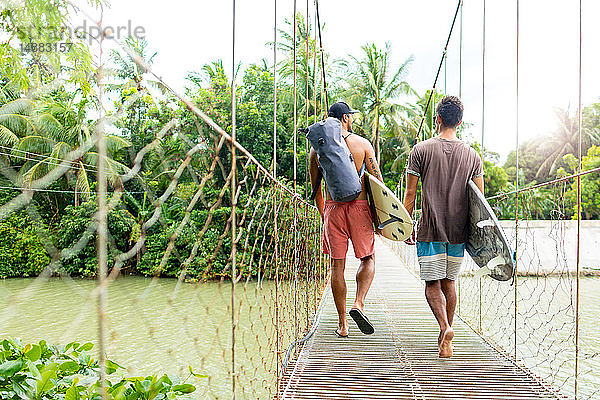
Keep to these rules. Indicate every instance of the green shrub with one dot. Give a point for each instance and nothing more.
(73, 226)
(22, 252)
(42, 372)
(210, 259)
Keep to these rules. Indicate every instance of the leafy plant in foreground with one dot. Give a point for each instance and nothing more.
(41, 371)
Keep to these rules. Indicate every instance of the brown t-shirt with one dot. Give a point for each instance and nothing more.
(445, 167)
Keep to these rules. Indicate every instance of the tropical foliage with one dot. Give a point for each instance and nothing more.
(375, 90)
(47, 372)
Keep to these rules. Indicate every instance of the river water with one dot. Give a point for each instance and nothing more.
(160, 326)
(156, 326)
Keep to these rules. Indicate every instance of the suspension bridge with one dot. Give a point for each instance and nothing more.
(400, 361)
(266, 328)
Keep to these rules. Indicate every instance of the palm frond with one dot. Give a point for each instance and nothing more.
(7, 137)
(82, 184)
(35, 144)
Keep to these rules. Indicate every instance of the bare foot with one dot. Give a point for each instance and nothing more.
(342, 329)
(445, 348)
(360, 306)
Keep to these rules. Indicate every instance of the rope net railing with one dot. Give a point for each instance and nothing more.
(209, 266)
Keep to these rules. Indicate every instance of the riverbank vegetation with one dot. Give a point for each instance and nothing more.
(49, 106)
(48, 372)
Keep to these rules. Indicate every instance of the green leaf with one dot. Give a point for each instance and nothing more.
(72, 393)
(54, 367)
(69, 366)
(197, 375)
(86, 346)
(34, 353)
(9, 368)
(22, 390)
(35, 372)
(46, 382)
(185, 388)
(74, 345)
(112, 366)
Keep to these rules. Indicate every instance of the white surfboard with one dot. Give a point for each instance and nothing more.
(389, 215)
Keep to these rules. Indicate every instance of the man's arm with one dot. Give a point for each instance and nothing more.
(371, 161)
(313, 169)
(409, 202)
(479, 182)
(411, 193)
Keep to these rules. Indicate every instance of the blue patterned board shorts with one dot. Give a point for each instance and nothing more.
(440, 260)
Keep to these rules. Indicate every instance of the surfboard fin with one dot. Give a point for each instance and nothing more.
(392, 218)
(491, 265)
(482, 272)
(485, 222)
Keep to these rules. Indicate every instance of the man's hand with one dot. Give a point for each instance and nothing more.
(412, 239)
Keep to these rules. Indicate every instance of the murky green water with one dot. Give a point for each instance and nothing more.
(160, 326)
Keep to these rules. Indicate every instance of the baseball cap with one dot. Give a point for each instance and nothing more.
(337, 110)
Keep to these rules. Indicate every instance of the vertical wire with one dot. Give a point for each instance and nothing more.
(446, 74)
(102, 241)
(482, 136)
(233, 205)
(483, 82)
(322, 56)
(275, 227)
(306, 149)
(579, 128)
(316, 116)
(516, 187)
(460, 49)
(295, 137)
(315, 111)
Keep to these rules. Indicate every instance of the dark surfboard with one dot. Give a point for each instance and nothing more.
(487, 244)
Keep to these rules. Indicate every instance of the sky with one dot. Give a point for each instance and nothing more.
(189, 34)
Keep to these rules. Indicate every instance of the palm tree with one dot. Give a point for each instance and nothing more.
(374, 89)
(409, 121)
(564, 140)
(15, 121)
(308, 68)
(57, 128)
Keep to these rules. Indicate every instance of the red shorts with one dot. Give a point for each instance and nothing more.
(348, 220)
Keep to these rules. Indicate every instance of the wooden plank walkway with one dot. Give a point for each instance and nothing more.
(400, 360)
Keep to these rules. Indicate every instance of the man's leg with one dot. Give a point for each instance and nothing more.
(364, 278)
(438, 304)
(338, 287)
(449, 291)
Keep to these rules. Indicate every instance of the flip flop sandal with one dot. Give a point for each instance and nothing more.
(362, 321)
(339, 334)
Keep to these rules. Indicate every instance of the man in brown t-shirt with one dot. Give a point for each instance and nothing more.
(445, 164)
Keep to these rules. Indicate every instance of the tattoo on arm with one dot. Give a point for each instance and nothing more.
(374, 168)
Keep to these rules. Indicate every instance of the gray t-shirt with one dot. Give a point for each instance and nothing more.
(445, 167)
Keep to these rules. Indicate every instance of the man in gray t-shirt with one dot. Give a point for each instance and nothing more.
(445, 165)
